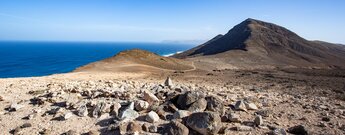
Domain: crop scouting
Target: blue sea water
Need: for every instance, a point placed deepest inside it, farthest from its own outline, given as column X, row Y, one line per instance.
column 28, row 59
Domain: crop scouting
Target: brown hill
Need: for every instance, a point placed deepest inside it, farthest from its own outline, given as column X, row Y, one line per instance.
column 256, row 43
column 137, row 60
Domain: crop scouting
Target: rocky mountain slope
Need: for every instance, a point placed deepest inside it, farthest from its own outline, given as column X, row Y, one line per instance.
column 255, row 42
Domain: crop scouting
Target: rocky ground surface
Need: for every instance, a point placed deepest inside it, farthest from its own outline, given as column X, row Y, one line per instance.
column 71, row 106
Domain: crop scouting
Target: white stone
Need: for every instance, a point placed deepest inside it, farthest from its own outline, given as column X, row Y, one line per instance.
column 251, row 106
column 168, row 82
column 67, row 115
column 152, row 117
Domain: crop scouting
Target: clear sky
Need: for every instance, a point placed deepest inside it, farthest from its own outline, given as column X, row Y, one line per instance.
column 157, row 20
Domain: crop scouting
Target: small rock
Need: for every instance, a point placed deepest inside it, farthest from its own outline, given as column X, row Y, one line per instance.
column 31, row 116
column 168, row 82
column 150, row 97
column 128, row 114
column 97, row 109
column 71, row 132
column 141, row 105
column 215, row 104
column 172, row 107
column 204, row 122
column 26, row 125
column 67, row 115
column 239, row 105
column 327, row 119
column 82, row 111
column 130, row 106
column 15, row 107
column 1, row 98
column 152, row 117
column 176, row 128
column 251, row 106
column 234, row 117
column 258, row 120
column 179, row 114
column 299, row 129
column 129, row 128
column 278, row 131
column 93, row 132
column 115, row 109
column 17, row 131
column 244, row 128
column 45, row 131
column 264, row 113
column 198, row 106
column 106, row 109
column 145, row 127
column 113, row 127
column 153, row 129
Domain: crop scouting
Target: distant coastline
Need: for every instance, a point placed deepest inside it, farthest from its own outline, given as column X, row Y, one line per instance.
column 31, row 59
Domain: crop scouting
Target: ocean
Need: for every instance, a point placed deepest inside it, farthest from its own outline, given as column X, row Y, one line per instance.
column 29, row 59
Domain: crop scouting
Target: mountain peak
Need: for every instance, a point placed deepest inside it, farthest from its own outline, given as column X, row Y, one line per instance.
column 251, row 20
column 254, row 40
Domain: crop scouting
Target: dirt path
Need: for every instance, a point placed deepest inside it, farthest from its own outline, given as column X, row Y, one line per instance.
column 142, row 65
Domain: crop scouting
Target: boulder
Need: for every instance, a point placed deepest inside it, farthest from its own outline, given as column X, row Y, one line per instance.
column 176, row 128
column 198, row 106
column 150, row 97
column 204, row 122
column 187, row 99
column 215, row 104
column 141, row 105
column 152, row 117
column 128, row 114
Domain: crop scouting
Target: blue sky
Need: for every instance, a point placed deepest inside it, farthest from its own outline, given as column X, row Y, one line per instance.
column 157, row 20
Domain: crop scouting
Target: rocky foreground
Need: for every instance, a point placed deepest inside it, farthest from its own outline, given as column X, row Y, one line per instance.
column 171, row 107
